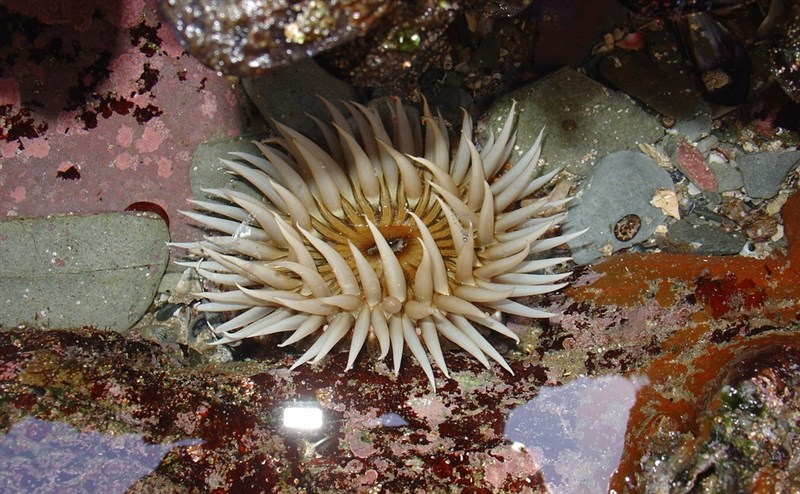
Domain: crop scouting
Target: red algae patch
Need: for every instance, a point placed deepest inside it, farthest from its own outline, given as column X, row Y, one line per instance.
column 725, row 295
column 691, row 162
column 734, row 312
column 629, row 279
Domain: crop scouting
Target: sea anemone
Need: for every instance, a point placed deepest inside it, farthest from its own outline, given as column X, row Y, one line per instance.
column 385, row 235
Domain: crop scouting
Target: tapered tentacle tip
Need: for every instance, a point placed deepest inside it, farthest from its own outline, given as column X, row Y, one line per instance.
column 379, row 235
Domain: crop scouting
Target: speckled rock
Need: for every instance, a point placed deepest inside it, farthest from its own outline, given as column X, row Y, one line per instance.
column 764, row 172
column 583, row 120
column 63, row 271
column 650, row 78
column 698, row 236
column 612, row 199
column 101, row 108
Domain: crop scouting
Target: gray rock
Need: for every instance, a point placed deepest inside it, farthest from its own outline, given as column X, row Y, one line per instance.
column 69, row 271
column 583, row 120
column 655, row 81
column 292, row 93
column 698, row 236
column 670, row 143
column 764, row 172
column 728, row 176
column 208, row 172
column 622, row 184
column 695, row 126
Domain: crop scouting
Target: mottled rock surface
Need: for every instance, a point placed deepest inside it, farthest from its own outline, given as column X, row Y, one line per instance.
column 695, row 235
column 98, row 112
column 66, row 271
column 289, row 95
column 208, row 172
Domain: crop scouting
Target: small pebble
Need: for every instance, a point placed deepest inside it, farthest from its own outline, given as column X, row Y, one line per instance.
column 764, row 172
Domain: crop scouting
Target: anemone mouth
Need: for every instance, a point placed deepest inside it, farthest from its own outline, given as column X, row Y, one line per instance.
column 398, row 228
column 395, row 237
column 402, row 240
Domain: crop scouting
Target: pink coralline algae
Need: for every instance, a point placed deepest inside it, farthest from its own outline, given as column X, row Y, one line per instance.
column 164, row 167
column 105, row 86
column 507, row 462
column 125, row 136
column 35, row 148
column 18, row 194
column 155, row 132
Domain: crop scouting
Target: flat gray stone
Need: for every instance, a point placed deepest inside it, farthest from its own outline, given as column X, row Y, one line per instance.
column 583, row 121
column 695, row 126
column 728, row 176
column 622, row 184
column 764, row 172
column 290, row 94
column 208, row 172
column 70, row 271
column 698, row 236
column 658, row 82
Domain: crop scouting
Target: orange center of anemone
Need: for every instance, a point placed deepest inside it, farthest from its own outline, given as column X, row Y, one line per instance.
column 396, row 226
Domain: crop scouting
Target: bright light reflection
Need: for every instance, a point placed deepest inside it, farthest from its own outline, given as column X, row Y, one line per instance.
column 305, row 417
column 576, row 432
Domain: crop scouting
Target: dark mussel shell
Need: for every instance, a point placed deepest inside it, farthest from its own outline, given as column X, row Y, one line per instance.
column 720, row 58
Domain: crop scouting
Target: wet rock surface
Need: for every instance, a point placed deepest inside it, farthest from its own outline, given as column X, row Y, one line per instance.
column 764, row 172
column 249, row 39
column 289, row 95
column 748, row 413
column 99, row 112
column 727, row 175
column 208, row 172
column 668, row 320
column 584, row 120
column 662, row 82
column 696, row 125
column 698, row 236
column 66, row 271
column 614, row 202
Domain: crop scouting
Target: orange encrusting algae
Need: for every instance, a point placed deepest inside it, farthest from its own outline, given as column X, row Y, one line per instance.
column 710, row 367
column 694, row 365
